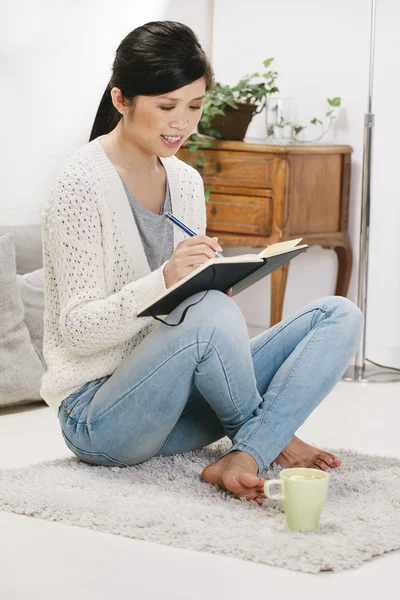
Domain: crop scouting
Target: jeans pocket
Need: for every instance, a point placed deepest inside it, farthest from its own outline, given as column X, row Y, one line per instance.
column 70, row 401
column 93, row 458
column 81, row 397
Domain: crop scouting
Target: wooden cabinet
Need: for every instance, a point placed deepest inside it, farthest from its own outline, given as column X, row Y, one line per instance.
column 261, row 194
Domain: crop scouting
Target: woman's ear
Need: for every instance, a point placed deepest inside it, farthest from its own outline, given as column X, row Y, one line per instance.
column 118, row 100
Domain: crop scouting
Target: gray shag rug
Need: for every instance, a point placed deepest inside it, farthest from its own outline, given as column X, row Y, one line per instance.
column 165, row 501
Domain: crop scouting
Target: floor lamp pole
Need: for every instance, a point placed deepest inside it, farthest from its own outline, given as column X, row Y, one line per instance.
column 359, row 371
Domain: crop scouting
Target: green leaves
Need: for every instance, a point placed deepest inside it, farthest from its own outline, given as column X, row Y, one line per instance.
column 335, row 102
column 330, row 114
column 200, row 162
column 214, row 132
column 251, row 89
column 196, row 142
column 192, row 147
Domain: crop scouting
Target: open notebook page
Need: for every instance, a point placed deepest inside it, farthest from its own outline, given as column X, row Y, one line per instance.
column 278, row 248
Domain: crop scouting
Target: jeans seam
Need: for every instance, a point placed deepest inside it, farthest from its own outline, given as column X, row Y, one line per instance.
column 143, row 380
column 93, row 454
column 287, row 325
column 88, row 424
column 226, row 379
column 185, row 412
column 164, row 444
column 281, row 390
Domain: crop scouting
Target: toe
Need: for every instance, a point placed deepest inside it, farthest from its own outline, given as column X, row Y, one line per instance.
column 330, row 460
column 248, row 480
column 320, row 464
column 240, row 484
column 249, row 497
column 336, row 462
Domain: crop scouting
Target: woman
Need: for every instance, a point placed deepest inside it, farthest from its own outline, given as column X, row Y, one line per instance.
column 125, row 388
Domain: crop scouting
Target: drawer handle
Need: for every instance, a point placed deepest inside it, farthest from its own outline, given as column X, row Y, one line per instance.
column 218, row 167
column 213, row 211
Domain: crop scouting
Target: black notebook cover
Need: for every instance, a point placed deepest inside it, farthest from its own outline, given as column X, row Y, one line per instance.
column 238, row 276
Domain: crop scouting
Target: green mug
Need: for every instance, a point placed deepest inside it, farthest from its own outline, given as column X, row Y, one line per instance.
column 304, row 493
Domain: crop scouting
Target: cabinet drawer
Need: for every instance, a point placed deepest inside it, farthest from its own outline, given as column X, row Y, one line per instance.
column 236, row 168
column 245, row 169
column 248, row 214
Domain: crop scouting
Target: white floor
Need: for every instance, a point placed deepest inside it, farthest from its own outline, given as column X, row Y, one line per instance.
column 40, row 560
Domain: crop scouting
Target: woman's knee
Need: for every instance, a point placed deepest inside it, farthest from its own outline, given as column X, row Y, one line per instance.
column 217, row 306
column 347, row 312
column 217, row 312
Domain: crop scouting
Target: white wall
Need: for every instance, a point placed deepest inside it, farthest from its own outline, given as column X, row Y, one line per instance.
column 321, row 49
column 56, row 61
column 195, row 14
column 55, row 65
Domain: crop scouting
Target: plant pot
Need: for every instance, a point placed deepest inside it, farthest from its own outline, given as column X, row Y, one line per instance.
column 233, row 125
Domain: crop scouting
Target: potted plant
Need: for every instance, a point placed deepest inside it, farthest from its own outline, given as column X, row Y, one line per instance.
column 228, row 110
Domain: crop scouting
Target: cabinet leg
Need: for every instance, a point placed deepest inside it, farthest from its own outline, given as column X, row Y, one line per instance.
column 345, row 264
column 278, row 287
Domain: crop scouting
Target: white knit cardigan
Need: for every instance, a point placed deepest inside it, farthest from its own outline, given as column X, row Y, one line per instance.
column 95, row 267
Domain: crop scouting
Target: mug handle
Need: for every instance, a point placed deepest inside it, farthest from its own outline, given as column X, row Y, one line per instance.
column 280, row 495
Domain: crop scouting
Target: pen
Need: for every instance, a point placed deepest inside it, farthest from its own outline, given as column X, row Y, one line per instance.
column 186, row 229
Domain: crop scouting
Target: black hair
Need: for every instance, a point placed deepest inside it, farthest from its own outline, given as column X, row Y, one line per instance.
column 153, row 59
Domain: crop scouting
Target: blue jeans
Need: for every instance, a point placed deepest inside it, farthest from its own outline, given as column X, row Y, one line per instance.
column 185, row 387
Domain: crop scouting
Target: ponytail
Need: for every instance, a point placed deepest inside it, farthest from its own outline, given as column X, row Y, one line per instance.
column 107, row 116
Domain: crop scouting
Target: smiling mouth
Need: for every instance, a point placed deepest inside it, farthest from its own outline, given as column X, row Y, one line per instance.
column 171, row 138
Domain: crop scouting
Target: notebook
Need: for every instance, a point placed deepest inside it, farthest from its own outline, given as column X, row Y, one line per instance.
column 236, row 272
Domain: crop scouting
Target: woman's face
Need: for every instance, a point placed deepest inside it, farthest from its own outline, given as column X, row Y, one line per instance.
column 173, row 116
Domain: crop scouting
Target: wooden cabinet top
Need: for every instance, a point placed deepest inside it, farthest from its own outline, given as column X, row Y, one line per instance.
column 260, row 145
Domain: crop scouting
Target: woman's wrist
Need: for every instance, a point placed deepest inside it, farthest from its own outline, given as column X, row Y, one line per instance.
column 165, row 274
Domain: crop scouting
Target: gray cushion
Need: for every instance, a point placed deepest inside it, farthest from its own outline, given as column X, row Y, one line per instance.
column 21, row 368
column 28, row 245
column 31, row 288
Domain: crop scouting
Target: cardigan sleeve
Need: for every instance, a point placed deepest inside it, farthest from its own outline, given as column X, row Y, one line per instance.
column 90, row 318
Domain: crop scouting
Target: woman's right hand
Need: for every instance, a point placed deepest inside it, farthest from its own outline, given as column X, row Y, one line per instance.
column 187, row 256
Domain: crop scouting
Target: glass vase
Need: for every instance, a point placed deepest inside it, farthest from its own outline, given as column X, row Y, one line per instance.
column 280, row 120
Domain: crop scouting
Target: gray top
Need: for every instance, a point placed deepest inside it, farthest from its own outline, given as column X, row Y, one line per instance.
column 156, row 231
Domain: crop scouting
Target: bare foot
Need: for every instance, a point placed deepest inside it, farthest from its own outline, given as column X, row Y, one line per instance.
column 237, row 473
column 299, row 454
